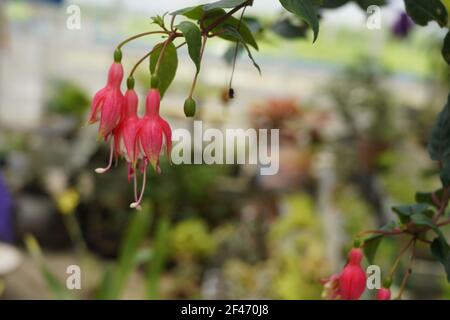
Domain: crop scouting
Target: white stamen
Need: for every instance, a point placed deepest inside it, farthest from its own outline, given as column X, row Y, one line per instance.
column 111, row 156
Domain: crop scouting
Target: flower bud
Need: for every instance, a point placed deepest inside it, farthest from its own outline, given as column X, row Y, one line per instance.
column 130, row 83
column 352, row 280
column 384, row 294
column 118, row 55
column 154, row 82
column 189, row 107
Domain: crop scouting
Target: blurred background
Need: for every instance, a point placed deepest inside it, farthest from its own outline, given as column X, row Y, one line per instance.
column 354, row 112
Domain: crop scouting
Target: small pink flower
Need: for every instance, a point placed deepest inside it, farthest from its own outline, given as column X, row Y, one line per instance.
column 149, row 137
column 384, row 294
column 152, row 129
column 331, row 287
column 107, row 103
column 352, row 279
column 126, row 130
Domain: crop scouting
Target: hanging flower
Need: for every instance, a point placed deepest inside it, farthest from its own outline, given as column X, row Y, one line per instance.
column 107, row 103
column 350, row 283
column 149, row 137
column 352, row 280
column 384, row 294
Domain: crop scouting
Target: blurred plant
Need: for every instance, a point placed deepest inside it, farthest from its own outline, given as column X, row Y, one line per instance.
column 67, row 98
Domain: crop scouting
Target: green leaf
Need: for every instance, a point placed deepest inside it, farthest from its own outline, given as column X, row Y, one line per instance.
column 193, row 37
column 242, row 26
column 372, row 243
column 427, row 197
column 441, row 251
column 333, row 4
column 364, row 4
column 439, row 143
column 158, row 260
column 446, row 48
column 286, row 29
column 405, row 212
column 223, row 4
column 235, row 35
column 58, row 289
column 306, row 10
column 424, row 11
column 193, row 13
column 134, row 236
column 168, row 67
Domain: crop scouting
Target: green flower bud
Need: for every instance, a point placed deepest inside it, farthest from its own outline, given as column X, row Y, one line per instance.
column 154, row 82
column 189, row 107
column 130, row 83
column 118, row 55
column 387, row 282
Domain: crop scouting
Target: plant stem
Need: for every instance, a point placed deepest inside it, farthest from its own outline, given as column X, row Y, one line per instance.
column 236, row 49
column 139, row 62
column 408, row 270
column 397, row 260
column 198, row 71
column 120, row 45
column 163, row 51
column 225, row 17
column 385, row 233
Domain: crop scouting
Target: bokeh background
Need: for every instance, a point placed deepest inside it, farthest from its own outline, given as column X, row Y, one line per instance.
column 354, row 112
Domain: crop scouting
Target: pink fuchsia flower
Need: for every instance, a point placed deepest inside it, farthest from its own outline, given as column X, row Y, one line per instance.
column 150, row 134
column 125, row 132
column 384, row 294
column 152, row 130
column 352, row 279
column 331, row 287
column 107, row 103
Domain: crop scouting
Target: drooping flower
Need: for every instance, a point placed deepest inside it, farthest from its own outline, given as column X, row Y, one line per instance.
column 331, row 287
column 125, row 132
column 384, row 294
column 352, row 279
column 107, row 103
column 151, row 132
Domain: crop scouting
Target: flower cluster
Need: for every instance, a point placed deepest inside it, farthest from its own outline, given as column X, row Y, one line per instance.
column 138, row 140
column 350, row 283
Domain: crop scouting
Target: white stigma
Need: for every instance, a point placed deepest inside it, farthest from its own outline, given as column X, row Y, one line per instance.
column 101, row 170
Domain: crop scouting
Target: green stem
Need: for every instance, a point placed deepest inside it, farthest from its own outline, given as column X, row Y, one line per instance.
column 163, row 51
column 139, row 62
column 226, row 16
column 397, row 261
column 194, row 83
column 408, row 271
column 139, row 36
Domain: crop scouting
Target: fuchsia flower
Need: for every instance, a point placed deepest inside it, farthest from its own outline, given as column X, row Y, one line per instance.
column 384, row 294
column 350, row 283
column 149, row 137
column 352, row 280
column 107, row 103
column 152, row 129
column 125, row 132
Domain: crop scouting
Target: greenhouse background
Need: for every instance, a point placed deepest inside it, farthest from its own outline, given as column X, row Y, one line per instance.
column 354, row 110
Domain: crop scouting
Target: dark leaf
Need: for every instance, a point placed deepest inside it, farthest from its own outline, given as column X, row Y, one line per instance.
column 424, row 11
column 305, row 9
